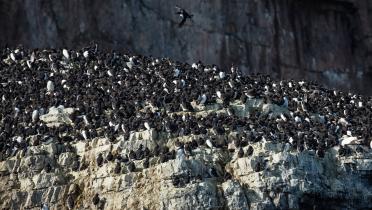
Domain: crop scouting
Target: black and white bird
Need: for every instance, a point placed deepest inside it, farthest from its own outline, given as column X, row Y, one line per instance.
column 180, row 155
column 209, row 143
column 184, row 15
column 44, row 207
column 117, row 169
column 131, row 166
column 35, row 115
column 99, row 160
column 66, row 54
column 84, row 134
column 50, row 86
column 147, row 125
column 95, row 199
column 240, row 153
column 86, row 54
column 221, row 75
column 202, row 99
column 70, row 202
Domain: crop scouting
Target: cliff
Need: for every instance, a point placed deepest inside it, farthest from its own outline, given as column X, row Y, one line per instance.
column 288, row 179
column 90, row 130
column 324, row 40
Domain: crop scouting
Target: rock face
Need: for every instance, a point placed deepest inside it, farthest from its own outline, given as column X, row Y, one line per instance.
column 326, row 40
column 274, row 176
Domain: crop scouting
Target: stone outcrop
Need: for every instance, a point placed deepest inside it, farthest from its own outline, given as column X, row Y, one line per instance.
column 275, row 176
column 325, row 40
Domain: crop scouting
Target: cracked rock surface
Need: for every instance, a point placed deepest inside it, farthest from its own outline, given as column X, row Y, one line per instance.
column 289, row 179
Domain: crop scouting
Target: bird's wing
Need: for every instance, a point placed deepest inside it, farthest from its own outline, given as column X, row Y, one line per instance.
column 182, row 22
column 188, row 15
column 177, row 7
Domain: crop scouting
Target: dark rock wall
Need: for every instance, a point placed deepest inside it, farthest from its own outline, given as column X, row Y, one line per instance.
column 329, row 41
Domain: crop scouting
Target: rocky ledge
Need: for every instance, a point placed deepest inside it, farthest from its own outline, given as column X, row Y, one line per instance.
column 248, row 150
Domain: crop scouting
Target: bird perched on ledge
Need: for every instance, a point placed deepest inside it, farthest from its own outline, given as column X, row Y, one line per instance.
column 183, row 14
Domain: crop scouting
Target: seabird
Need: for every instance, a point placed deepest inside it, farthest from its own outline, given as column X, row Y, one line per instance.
column 194, row 66
column 131, row 166
column 70, row 202
column 297, row 119
column 99, row 159
column 109, row 72
column 284, row 103
column 132, row 155
column 16, row 110
column 130, row 63
column 240, row 153
column 84, row 133
column 345, row 140
column 139, row 153
column 251, row 93
column 125, row 159
column 146, row 163
column 213, row 172
column 231, row 84
column 50, row 86
column 186, row 106
column 180, row 155
column 257, row 167
column 29, row 64
column 360, row 104
column 162, row 158
column 177, row 72
column 101, row 203
column 48, row 168
column 109, row 156
column 221, row 75
column 303, row 106
column 343, row 122
column 13, row 57
column 95, row 199
column 320, row 152
column 86, row 54
column 117, row 169
column 284, row 118
column 249, row 150
column 209, row 143
column 184, row 15
column 86, row 122
column 147, row 126
column 66, row 54
column 230, row 111
column 219, row 94
column 45, row 207
column 343, row 151
column 202, row 99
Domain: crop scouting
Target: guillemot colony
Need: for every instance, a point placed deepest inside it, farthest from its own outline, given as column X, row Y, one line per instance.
column 114, row 95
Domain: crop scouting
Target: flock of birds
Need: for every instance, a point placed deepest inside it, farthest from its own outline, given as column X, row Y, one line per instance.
column 114, row 94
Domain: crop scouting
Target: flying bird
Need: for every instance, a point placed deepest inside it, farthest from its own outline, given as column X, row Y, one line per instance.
column 183, row 14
